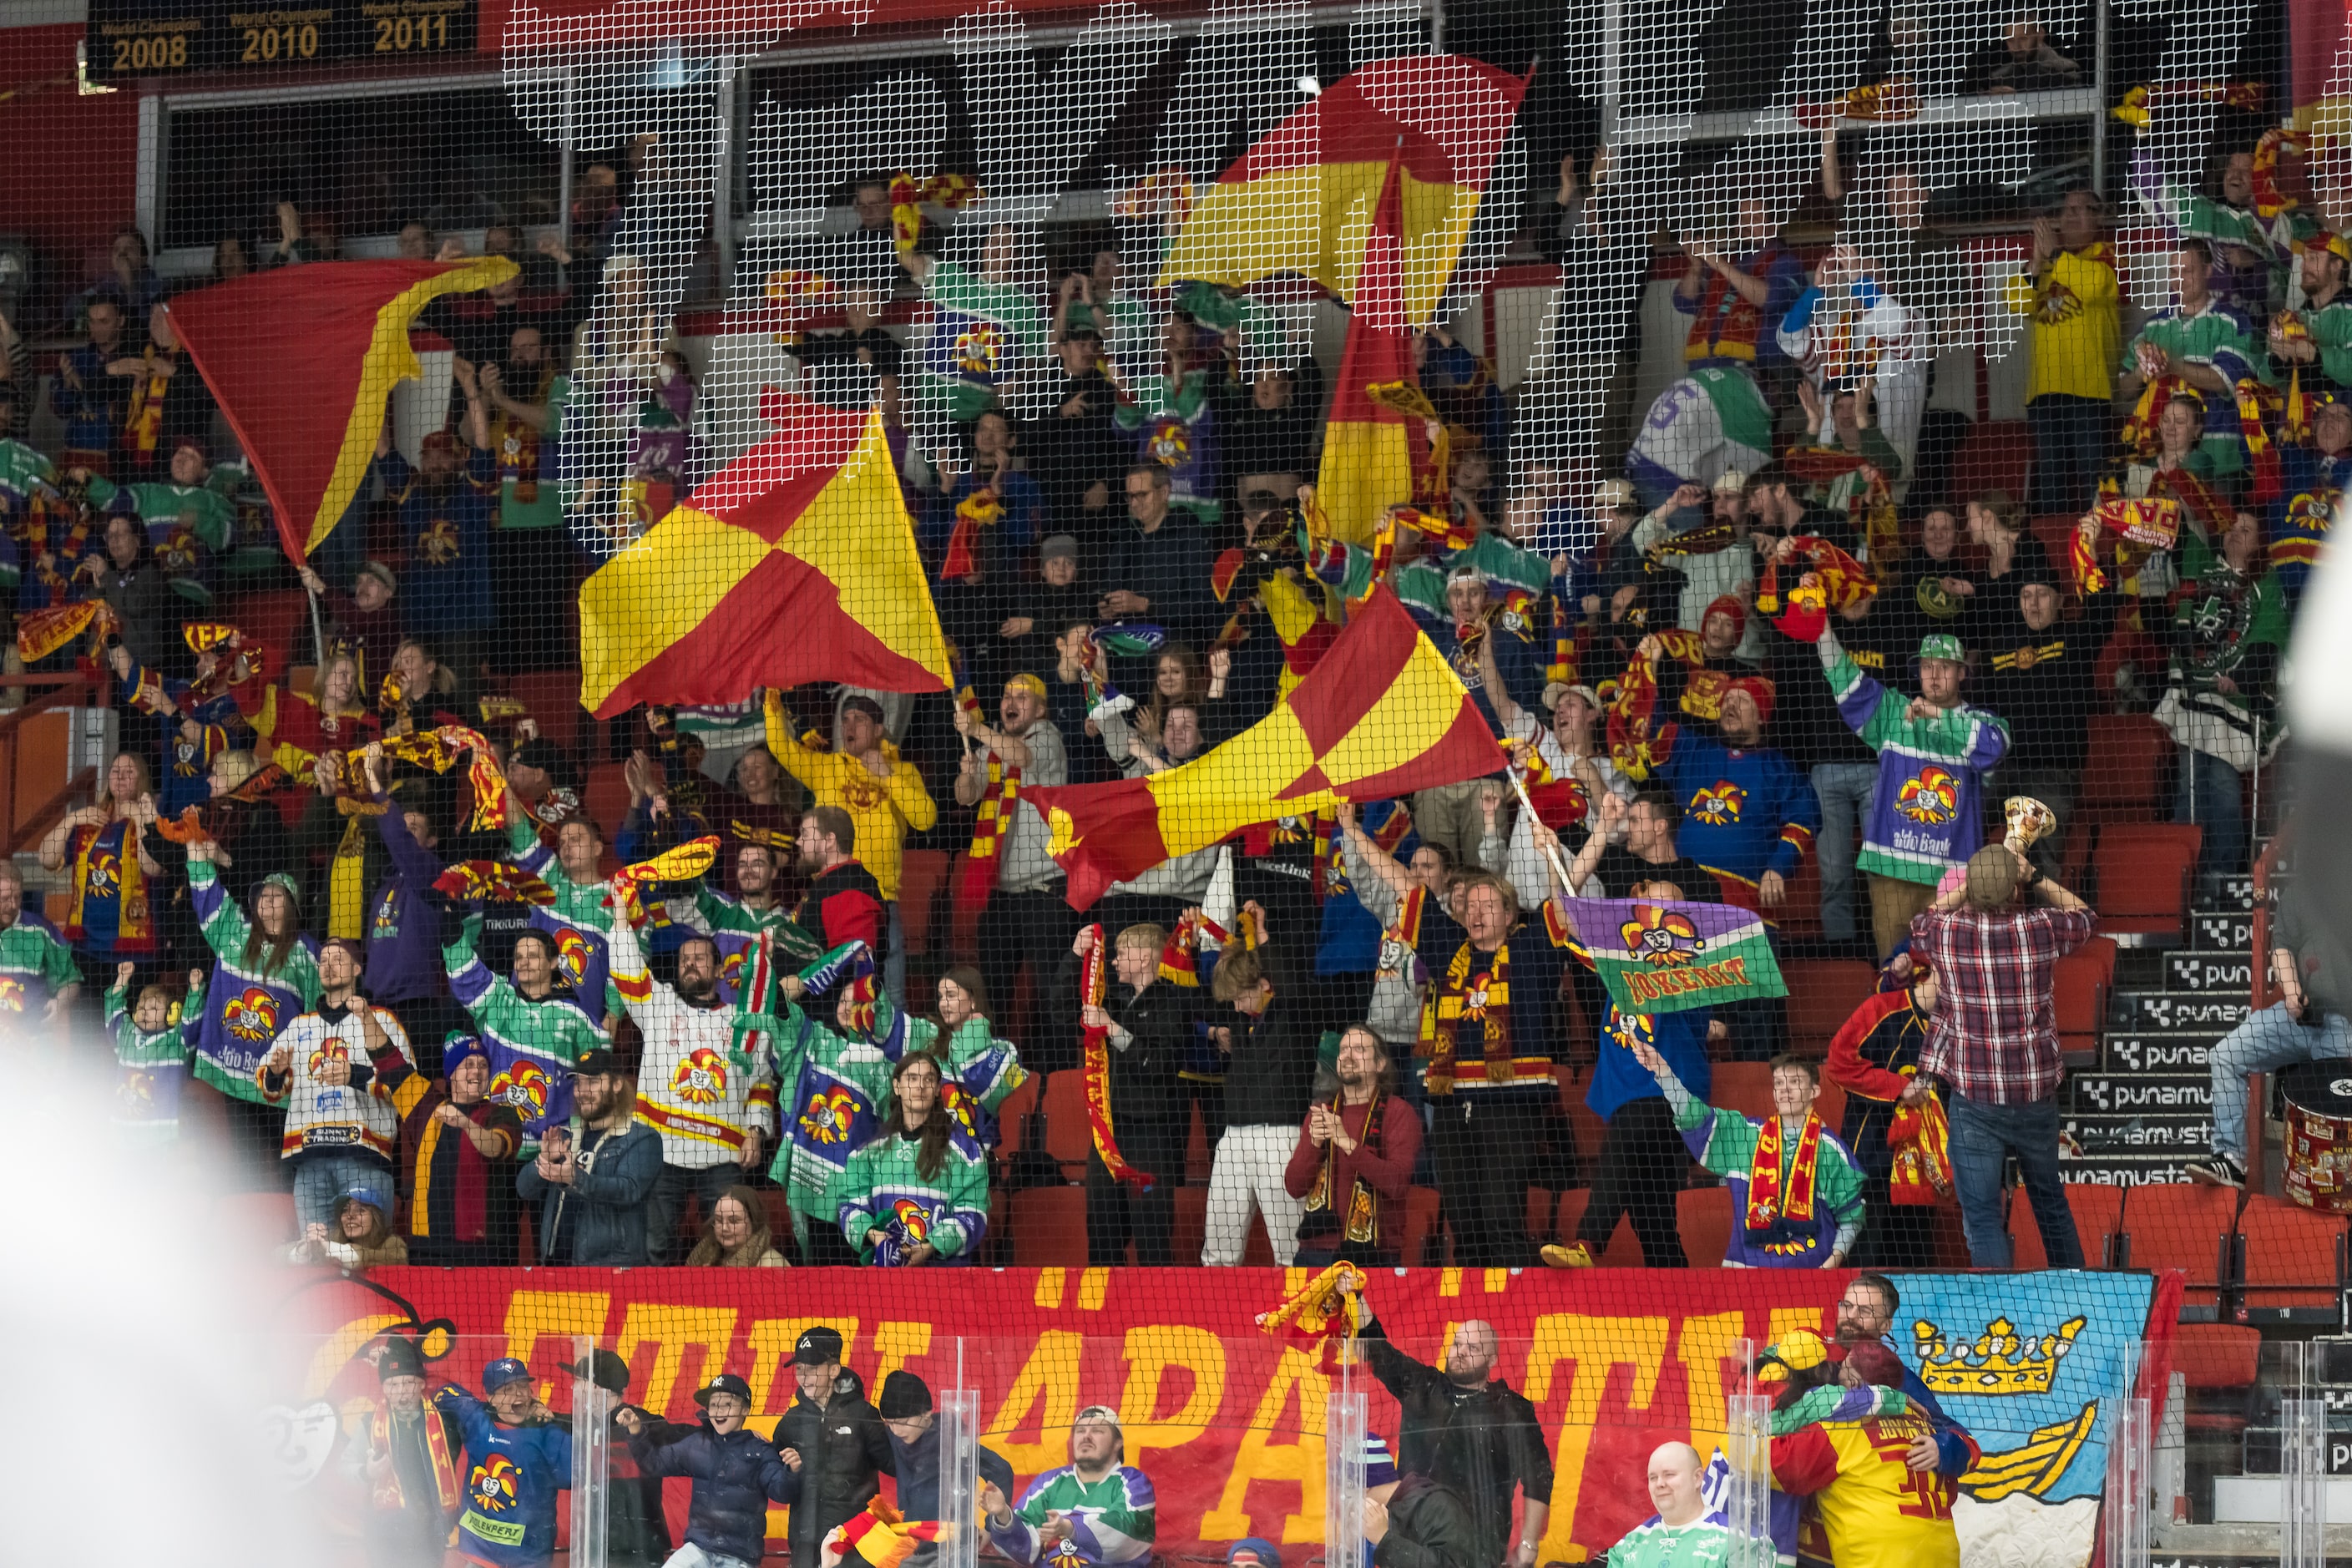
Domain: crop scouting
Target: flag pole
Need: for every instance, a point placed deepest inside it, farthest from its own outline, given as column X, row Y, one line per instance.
column 1551, row 851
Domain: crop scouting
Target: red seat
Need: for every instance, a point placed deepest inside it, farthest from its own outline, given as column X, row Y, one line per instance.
column 1703, row 1216
column 1800, row 914
column 2143, row 874
column 1589, row 1129
column 2096, row 1210
column 1049, row 1228
column 2289, row 1247
column 1994, row 455
column 1420, row 1206
column 1013, row 1117
column 1823, row 995
column 551, row 697
column 1624, row 1248
column 606, row 799
column 1198, row 1155
column 2221, row 1359
column 1068, row 1137
column 2122, row 781
column 1191, row 1225
column 775, row 1205
column 922, row 875
column 963, row 918
column 2081, row 989
column 2180, row 1225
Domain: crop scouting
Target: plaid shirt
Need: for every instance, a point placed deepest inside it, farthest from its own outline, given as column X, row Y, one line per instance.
column 1994, row 1036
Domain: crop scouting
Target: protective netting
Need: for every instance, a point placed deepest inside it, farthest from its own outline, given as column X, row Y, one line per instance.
column 1245, row 633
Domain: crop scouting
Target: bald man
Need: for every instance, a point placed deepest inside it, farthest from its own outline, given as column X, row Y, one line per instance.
column 1469, row 1430
column 1682, row 1533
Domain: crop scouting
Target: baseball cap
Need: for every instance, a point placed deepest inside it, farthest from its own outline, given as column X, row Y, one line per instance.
column 503, row 1370
column 1943, row 646
column 384, row 574
column 598, row 1064
column 817, row 1346
column 1729, row 482
column 605, row 1369
column 1027, row 683
column 725, row 1383
column 1560, row 689
column 862, row 704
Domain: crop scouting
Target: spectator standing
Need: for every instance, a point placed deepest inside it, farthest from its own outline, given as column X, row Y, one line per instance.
column 916, row 1193
column 1147, row 1026
column 2075, row 334
column 2043, row 675
column 522, row 398
column 1097, row 1509
column 1875, row 1057
column 736, row 1474
column 1933, row 754
column 458, row 1149
column 1395, row 894
column 844, row 902
column 881, row 792
column 408, row 1463
column 713, row 1115
column 148, row 611
column 38, row 978
column 537, row 1035
column 1865, row 1315
column 404, row 922
column 152, row 1046
column 592, row 1188
column 265, row 973
column 445, row 519
column 91, row 399
column 2320, row 333
column 2224, row 641
column 1352, row 1166
column 2312, row 968
column 1026, row 917
column 1808, row 726
column 1873, row 1506
column 338, row 1135
column 1994, row 1042
column 1648, row 854
column 112, row 848
column 579, row 924
column 363, row 621
column 1269, row 1050
column 2315, row 475
column 2204, row 342
column 1466, row 1429
column 736, row 1234
column 1683, row 1533
column 519, row 1465
column 833, row 1440
column 1489, row 1081
column 1157, row 570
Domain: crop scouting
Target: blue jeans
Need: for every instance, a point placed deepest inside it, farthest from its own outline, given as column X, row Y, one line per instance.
column 1983, row 1135
column 320, row 1179
column 2265, row 1041
column 2070, row 451
column 2210, row 795
column 1845, row 791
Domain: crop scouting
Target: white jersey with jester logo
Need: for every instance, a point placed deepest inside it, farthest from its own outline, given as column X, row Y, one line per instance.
column 690, row 1089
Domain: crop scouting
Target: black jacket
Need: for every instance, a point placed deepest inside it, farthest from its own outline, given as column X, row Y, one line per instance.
column 2044, row 683
column 844, row 1449
column 1483, row 1442
column 1160, row 1018
column 151, row 612
column 735, row 1479
column 1170, row 567
column 1429, row 1527
column 1270, row 1075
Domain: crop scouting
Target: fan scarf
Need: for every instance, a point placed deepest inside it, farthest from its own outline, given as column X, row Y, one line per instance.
column 1767, row 1204
column 41, row 632
column 1432, row 473
column 387, row 1493
column 877, row 1538
column 908, row 196
column 1879, row 526
column 990, row 823
column 2151, row 524
column 1482, row 997
column 1921, row 1140
column 1736, row 338
column 979, row 510
column 1091, row 974
column 1165, row 194
column 1833, row 580
column 2253, row 399
column 2134, row 109
column 148, row 391
column 681, row 863
column 499, row 881
column 1361, row 1225
column 1309, row 1313
column 134, row 930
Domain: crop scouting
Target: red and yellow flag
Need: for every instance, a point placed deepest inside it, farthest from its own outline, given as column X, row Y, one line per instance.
column 1369, row 443
column 795, row 562
column 312, row 435
column 1382, row 714
column 1298, row 199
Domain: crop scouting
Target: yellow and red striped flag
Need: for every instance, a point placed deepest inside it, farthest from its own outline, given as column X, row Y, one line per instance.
column 1368, row 445
column 795, row 562
column 1382, row 715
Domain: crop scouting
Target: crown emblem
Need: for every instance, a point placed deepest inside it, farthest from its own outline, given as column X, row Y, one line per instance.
column 2001, row 1360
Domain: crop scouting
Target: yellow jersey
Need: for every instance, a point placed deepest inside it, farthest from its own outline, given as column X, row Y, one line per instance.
column 1877, row 1511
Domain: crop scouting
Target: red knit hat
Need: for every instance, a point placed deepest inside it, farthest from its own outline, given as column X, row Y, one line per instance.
column 1760, row 688
column 1728, row 605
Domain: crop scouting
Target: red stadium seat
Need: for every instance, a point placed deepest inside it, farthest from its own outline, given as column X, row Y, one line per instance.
column 1420, row 1206
column 1068, row 1137
column 1625, row 1249
column 1744, row 1087
column 606, row 799
column 1994, row 455
column 2083, row 977
column 2097, row 1209
column 922, row 876
column 1049, row 1228
column 963, row 921
column 2122, row 781
column 1800, row 914
column 2143, row 871
column 1823, row 995
column 553, row 698
column 1703, row 1216
column 1191, row 1225
column 2289, row 1247
column 1013, row 1117
column 2180, row 1226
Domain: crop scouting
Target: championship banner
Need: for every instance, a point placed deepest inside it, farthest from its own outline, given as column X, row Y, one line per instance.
column 1669, row 957
column 1227, row 1420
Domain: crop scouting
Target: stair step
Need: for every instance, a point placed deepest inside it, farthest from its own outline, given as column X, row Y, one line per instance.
column 2168, row 1132
column 2208, row 974
column 2112, row 1170
column 2173, row 1013
column 2158, row 1051
column 2138, row 1094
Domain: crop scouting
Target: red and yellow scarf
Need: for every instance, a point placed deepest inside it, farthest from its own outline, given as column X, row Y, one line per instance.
column 979, row 510
column 1092, row 975
column 1716, row 332
column 1361, row 1225
column 1921, row 1141
column 387, row 1491
column 2150, row 524
column 1479, row 995
column 908, row 196
column 134, row 927
column 144, row 427
column 990, row 823
column 1767, row 1204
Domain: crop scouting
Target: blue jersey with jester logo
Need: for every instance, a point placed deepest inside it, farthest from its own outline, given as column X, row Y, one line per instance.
column 512, row 1477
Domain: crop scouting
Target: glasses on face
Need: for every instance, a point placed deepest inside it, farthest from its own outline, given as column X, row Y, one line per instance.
column 1138, row 495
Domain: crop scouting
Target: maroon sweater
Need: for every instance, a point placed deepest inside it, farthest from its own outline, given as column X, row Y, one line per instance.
column 1390, row 1171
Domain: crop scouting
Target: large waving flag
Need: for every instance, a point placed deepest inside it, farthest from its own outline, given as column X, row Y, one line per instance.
column 310, row 432
column 1301, row 197
column 1382, row 715
column 1367, row 446
column 795, row 562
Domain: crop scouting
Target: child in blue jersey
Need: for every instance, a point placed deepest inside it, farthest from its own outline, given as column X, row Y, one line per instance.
column 514, row 1469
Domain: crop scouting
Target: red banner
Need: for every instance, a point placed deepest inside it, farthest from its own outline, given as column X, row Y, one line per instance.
column 1226, row 1421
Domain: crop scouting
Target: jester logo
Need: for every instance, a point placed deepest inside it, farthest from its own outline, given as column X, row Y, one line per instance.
column 914, row 1220
column 2055, row 303
column 1630, row 1029
column 571, row 953
column 332, row 1050
column 1171, row 443
column 251, row 1016
column 137, row 1089
column 1718, row 804
column 2313, row 511
column 105, row 876
column 958, row 1102
column 730, row 968
column 700, row 1078
column 978, row 349
column 1932, row 796
column 12, row 994
column 494, row 1484
column 864, row 792
column 439, row 541
column 1473, row 994
column 830, row 1115
column 177, row 552
column 524, row 1084
column 1660, row 935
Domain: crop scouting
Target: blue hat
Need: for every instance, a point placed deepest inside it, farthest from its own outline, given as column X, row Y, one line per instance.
column 1379, row 1465
column 725, row 1383
column 503, row 1370
column 1255, row 1549
column 362, row 1192
column 457, row 1047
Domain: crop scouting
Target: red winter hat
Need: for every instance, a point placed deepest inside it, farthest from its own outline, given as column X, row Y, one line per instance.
column 1758, row 687
column 1728, row 605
